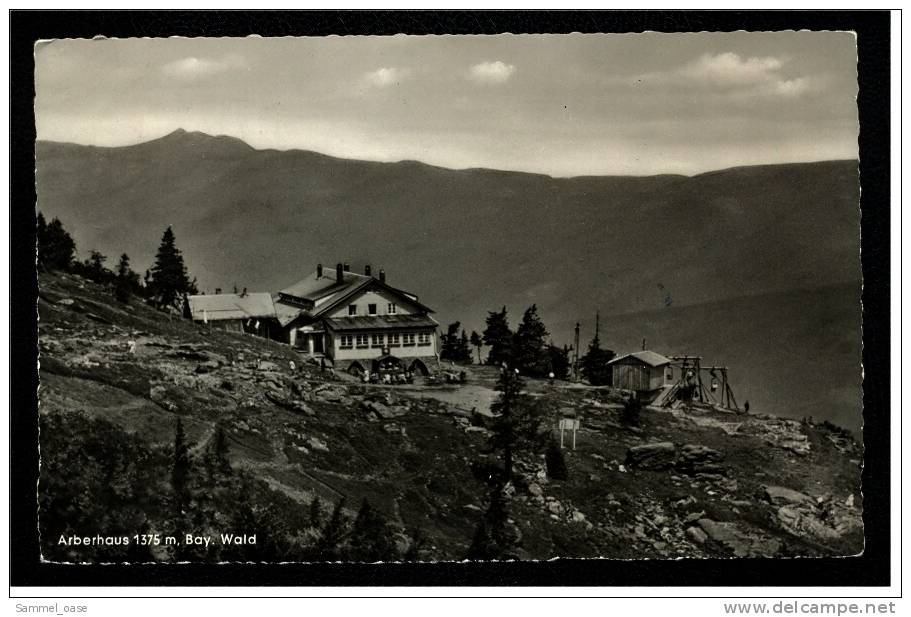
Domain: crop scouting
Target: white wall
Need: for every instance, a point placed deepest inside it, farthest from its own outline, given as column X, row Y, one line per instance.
column 356, row 353
column 381, row 299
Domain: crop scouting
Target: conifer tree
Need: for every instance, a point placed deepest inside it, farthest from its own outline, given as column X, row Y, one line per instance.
column 220, row 451
column 180, row 466
column 530, row 352
column 556, row 462
column 596, row 364
column 516, row 425
column 477, row 342
column 55, row 246
column 371, row 538
column 334, row 532
column 463, row 349
column 94, row 266
column 169, row 279
column 127, row 281
column 316, row 512
column 498, row 337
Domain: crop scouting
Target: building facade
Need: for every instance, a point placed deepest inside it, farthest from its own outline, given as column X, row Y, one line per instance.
column 644, row 372
column 346, row 318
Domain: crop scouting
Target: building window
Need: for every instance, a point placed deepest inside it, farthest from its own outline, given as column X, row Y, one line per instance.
column 345, row 341
column 424, row 339
column 352, row 310
column 376, row 340
column 361, row 341
column 371, row 309
column 394, row 339
column 390, row 308
column 408, row 339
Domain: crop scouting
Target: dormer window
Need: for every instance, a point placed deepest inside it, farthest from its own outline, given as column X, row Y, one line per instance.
column 371, row 309
column 352, row 310
column 391, row 308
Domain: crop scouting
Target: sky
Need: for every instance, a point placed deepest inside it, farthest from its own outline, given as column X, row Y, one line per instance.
column 563, row 105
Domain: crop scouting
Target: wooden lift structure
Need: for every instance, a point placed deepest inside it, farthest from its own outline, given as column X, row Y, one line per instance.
column 691, row 381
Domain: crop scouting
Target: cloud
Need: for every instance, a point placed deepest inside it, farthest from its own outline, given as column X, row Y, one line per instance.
column 729, row 72
column 192, row 67
column 386, row 76
column 730, row 68
column 492, row 72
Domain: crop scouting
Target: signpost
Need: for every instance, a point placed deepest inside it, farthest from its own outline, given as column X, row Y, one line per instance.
column 569, row 424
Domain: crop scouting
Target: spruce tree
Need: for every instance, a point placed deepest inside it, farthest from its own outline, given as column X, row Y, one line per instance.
column 516, row 425
column 316, row 512
column 55, row 246
column 558, row 357
column 596, row 364
column 371, row 538
column 450, row 342
column 220, row 452
column 556, row 462
column 169, row 280
column 333, row 534
column 94, row 266
column 127, row 281
column 180, row 467
column 498, row 337
column 463, row 349
column 477, row 342
column 530, row 352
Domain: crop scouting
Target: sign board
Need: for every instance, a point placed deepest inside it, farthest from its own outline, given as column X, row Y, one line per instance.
column 569, row 424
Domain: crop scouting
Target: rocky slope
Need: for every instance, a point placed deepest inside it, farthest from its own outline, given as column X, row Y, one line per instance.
column 683, row 483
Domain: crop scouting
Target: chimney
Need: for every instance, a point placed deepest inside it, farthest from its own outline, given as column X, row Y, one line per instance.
column 347, row 267
column 319, row 271
column 382, row 276
column 338, row 273
column 217, row 290
column 368, row 271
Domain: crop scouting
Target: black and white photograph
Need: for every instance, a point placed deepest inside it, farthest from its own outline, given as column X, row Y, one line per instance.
column 449, row 298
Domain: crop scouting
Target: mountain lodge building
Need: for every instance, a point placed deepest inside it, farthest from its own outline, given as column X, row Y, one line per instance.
column 350, row 319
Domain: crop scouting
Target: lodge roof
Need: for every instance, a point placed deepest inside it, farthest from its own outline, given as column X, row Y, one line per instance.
column 381, row 322
column 317, row 295
column 220, row 307
column 646, row 357
column 315, row 287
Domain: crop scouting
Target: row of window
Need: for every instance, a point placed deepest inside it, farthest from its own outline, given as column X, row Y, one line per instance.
column 393, row 339
column 371, row 309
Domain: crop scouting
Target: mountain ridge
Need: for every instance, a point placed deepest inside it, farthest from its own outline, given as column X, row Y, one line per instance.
column 184, row 133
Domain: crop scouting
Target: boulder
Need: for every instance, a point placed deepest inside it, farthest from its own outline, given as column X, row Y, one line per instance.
column 535, row 490
column 782, row 496
column 653, row 456
column 694, row 458
column 265, row 365
column 696, row 535
column 318, row 444
column 738, row 542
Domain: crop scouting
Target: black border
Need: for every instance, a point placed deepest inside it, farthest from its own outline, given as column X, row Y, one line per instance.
column 873, row 38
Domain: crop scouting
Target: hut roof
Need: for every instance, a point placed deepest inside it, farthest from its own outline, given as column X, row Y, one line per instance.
column 219, row 307
column 645, row 357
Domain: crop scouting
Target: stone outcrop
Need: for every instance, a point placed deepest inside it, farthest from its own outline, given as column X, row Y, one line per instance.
column 652, row 456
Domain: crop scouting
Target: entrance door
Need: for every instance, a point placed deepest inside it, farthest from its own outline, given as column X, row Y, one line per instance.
column 317, row 343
